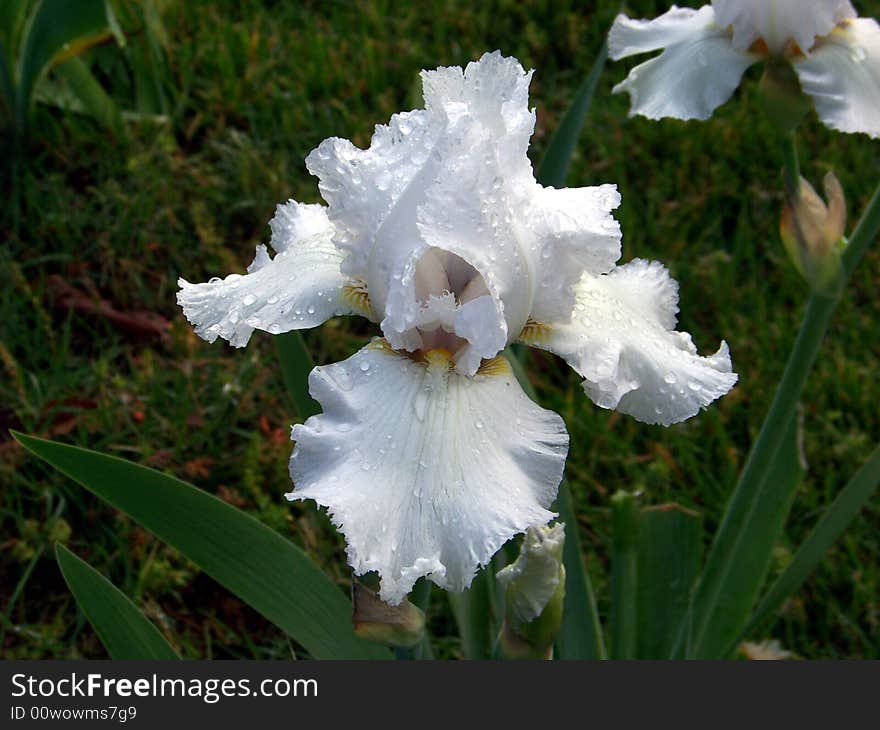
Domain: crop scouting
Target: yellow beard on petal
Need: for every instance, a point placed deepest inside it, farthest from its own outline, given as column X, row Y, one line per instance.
column 534, row 332
column 497, row 366
column 356, row 296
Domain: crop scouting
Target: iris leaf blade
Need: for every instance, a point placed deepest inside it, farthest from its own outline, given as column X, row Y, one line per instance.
column 836, row 518
column 123, row 630
column 554, row 166
column 255, row 563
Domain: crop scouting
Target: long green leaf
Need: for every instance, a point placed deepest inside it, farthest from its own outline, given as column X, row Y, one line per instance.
column 92, row 98
column 624, row 575
column 124, row 631
column 258, row 565
column 296, row 364
column 670, row 550
column 553, row 169
column 7, row 88
column 741, row 554
column 581, row 634
column 834, row 521
column 13, row 14
column 58, row 30
column 475, row 615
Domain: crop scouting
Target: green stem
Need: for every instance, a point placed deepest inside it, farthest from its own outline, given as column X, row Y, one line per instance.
column 792, row 168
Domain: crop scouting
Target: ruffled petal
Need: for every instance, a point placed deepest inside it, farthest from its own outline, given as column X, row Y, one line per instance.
column 447, row 161
column 577, row 233
column 426, row 472
column 842, row 75
column 301, row 287
column 629, row 37
column 778, row 21
column 697, row 72
column 621, row 341
column 373, row 195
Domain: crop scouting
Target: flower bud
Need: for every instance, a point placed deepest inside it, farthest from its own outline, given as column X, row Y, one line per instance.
column 374, row 620
column 813, row 232
column 784, row 102
column 535, row 589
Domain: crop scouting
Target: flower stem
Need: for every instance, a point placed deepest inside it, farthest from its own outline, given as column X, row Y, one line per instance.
column 791, row 166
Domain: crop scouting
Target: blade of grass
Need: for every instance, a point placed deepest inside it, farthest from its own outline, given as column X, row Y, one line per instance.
column 258, row 565
column 19, row 587
column 124, row 631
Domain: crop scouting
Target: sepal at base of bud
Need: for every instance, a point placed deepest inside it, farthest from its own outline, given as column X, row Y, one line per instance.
column 374, row 620
column 782, row 98
column 813, row 233
column 535, row 591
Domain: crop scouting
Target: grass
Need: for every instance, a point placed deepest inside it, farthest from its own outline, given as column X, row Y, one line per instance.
column 258, row 85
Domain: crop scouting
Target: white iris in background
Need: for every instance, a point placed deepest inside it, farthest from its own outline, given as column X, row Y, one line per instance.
column 428, row 454
column 835, row 54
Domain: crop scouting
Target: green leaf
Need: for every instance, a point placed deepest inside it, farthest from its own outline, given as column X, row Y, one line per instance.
column 475, row 615
column 7, row 88
column 124, row 631
column 553, row 169
column 92, row 98
column 57, row 31
column 13, row 14
column 670, row 550
column 581, row 634
column 834, row 521
column 740, row 555
column 624, row 575
column 296, row 364
column 258, row 565
column 147, row 58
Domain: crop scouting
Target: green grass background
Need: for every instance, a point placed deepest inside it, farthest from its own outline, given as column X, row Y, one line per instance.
column 257, row 86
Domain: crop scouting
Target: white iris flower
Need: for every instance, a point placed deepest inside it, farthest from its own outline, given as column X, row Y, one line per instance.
column 428, row 454
column 835, row 54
